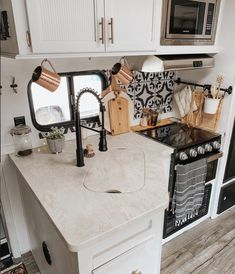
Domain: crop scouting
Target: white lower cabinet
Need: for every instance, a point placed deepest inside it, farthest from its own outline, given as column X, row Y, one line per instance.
column 135, row 248
column 41, row 230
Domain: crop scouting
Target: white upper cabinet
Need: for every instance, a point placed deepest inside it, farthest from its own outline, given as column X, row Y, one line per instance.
column 59, row 26
column 16, row 23
column 130, row 25
column 79, row 26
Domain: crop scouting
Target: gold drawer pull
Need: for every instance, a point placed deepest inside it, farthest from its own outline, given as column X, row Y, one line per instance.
column 101, row 23
column 136, row 272
column 111, row 39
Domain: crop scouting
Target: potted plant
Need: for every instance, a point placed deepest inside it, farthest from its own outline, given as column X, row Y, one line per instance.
column 212, row 100
column 55, row 139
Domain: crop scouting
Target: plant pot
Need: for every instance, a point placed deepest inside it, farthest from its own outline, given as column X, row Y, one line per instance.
column 211, row 105
column 55, row 145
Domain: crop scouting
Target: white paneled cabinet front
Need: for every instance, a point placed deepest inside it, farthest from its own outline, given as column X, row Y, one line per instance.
column 139, row 260
column 130, row 25
column 95, row 26
column 59, row 26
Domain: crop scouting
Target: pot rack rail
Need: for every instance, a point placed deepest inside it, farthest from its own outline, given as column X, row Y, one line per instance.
column 228, row 90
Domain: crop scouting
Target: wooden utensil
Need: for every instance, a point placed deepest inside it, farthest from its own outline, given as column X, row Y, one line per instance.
column 119, row 115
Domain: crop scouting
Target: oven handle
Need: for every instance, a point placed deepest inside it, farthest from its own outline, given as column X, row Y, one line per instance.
column 209, row 159
column 214, row 157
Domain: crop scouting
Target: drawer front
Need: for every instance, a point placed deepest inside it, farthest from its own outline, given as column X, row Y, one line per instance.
column 119, row 242
column 140, row 237
column 139, row 260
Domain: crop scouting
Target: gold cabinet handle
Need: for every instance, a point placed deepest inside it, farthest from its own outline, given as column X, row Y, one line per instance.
column 112, row 36
column 101, row 24
column 136, row 272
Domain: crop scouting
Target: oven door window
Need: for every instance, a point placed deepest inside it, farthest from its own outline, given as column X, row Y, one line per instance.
column 186, row 17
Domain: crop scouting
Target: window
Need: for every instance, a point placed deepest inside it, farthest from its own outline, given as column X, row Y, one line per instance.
column 56, row 108
column 88, row 104
column 51, row 108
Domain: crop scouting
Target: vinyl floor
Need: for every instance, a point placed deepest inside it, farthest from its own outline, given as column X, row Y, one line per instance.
column 209, row 248
column 30, row 263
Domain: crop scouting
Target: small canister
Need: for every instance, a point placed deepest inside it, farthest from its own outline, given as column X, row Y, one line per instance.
column 22, row 140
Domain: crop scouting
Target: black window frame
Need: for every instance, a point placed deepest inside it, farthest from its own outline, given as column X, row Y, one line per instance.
column 72, row 99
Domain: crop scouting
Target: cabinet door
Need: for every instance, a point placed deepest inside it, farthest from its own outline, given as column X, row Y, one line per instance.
column 59, row 26
column 139, row 260
column 9, row 45
column 130, row 25
column 41, row 229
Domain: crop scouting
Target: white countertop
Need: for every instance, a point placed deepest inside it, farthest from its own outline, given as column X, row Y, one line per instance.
column 81, row 215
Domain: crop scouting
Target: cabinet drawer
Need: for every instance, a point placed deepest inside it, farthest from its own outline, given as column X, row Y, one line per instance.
column 140, row 259
column 119, row 242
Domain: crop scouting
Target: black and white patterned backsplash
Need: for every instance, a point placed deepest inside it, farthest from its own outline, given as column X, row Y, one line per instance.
column 150, row 90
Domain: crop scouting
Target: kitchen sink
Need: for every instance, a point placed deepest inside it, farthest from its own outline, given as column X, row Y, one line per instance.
column 120, row 170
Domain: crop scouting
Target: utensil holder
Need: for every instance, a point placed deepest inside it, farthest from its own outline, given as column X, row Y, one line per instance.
column 211, row 105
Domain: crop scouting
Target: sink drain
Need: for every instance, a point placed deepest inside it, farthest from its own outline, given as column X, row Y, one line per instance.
column 113, row 191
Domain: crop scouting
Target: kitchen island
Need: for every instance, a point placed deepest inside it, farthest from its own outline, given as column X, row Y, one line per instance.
column 78, row 226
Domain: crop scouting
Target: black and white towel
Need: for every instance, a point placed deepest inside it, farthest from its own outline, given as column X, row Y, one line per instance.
column 189, row 190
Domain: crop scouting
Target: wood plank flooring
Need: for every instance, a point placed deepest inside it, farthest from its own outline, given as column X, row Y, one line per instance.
column 209, row 248
column 30, row 263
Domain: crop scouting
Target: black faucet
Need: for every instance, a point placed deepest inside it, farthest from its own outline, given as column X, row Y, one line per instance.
column 102, row 131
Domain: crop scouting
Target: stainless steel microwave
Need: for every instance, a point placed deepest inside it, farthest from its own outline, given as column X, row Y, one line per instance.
column 189, row 22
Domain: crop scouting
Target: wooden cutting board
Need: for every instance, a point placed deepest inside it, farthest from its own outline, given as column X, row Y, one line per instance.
column 119, row 115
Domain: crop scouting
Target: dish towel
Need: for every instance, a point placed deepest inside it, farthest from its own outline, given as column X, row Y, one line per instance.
column 183, row 99
column 189, row 190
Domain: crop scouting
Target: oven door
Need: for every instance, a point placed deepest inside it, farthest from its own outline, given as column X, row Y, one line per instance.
column 212, row 163
column 189, row 19
column 169, row 221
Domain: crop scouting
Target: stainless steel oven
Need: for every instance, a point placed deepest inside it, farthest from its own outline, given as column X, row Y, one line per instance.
column 189, row 22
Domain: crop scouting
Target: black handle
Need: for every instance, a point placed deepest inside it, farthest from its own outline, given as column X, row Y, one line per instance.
column 46, row 253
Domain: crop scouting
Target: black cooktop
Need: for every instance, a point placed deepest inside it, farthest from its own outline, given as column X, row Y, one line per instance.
column 179, row 136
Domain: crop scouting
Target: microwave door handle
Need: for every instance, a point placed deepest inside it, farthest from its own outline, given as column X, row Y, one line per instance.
column 214, row 157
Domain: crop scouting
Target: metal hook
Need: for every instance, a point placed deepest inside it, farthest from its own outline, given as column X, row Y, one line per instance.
column 14, row 85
